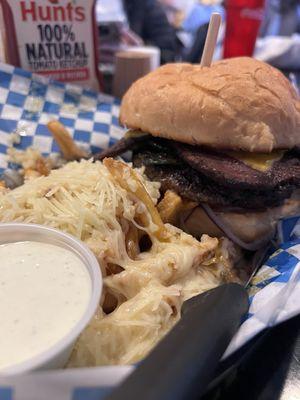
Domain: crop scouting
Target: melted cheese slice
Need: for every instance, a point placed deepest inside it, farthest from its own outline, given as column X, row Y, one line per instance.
column 259, row 161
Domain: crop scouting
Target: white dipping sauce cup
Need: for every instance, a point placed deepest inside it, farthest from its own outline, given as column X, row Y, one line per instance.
column 57, row 355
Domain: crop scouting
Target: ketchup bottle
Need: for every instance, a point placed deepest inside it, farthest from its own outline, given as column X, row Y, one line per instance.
column 56, row 38
column 243, row 20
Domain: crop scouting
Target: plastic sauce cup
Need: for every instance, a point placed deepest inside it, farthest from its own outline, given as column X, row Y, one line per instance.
column 57, row 355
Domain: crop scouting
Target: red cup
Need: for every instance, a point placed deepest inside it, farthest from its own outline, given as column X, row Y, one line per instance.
column 243, row 20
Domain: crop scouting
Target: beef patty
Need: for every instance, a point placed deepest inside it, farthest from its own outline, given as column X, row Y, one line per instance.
column 229, row 171
column 207, row 176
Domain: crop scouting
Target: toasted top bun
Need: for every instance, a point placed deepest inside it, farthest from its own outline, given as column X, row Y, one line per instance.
column 239, row 104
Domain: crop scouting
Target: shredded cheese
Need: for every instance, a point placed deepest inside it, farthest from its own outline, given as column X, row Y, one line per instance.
column 84, row 199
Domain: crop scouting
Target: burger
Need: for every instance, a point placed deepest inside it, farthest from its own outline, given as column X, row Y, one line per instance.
column 224, row 137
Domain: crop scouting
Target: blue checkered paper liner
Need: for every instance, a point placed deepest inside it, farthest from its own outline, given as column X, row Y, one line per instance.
column 27, row 103
column 275, row 289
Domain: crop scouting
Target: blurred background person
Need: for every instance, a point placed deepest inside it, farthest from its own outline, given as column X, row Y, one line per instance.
column 200, row 13
column 279, row 42
column 124, row 23
column 177, row 10
column 148, row 20
column 179, row 27
column 196, row 25
column 282, row 18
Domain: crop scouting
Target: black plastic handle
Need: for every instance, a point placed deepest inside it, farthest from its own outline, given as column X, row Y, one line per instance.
column 183, row 363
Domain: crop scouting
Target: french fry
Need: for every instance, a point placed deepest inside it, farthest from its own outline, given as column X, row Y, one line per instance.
column 128, row 180
column 172, row 205
column 169, row 207
column 30, row 173
column 65, row 142
column 132, row 242
column 42, row 167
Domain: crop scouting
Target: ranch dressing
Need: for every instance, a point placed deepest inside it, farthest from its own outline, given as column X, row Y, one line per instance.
column 44, row 291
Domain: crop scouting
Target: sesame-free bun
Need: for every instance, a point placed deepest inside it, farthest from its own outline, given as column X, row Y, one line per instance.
column 239, row 104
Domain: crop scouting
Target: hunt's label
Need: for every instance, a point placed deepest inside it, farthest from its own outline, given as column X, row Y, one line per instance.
column 56, row 38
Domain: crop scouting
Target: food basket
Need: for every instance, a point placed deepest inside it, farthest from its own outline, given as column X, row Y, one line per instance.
column 27, row 103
